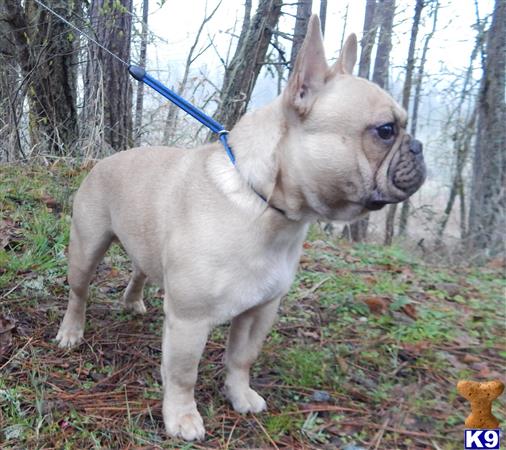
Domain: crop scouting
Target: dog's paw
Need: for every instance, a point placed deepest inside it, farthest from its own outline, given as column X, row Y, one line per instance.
column 246, row 400
column 188, row 426
column 137, row 306
column 69, row 336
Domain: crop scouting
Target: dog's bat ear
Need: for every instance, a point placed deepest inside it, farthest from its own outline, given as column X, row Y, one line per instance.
column 347, row 58
column 309, row 71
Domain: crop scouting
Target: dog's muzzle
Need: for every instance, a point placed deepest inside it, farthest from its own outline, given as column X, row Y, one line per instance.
column 406, row 173
column 409, row 171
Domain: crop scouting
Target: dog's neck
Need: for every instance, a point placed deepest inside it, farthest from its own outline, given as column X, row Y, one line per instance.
column 257, row 142
column 254, row 140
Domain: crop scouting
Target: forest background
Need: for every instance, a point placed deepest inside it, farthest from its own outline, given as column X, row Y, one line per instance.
column 385, row 315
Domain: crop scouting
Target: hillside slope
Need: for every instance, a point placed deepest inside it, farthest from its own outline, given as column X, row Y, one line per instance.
column 367, row 351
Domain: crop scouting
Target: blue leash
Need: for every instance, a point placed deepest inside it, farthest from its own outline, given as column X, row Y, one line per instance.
column 141, row 75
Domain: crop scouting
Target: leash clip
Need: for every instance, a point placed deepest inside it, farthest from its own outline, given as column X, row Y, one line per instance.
column 222, row 135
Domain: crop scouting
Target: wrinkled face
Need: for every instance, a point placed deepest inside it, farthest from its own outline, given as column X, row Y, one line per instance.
column 346, row 137
column 354, row 144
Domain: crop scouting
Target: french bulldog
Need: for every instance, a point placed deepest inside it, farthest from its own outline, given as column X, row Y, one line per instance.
column 224, row 241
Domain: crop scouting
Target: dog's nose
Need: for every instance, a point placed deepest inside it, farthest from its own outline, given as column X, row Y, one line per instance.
column 415, row 146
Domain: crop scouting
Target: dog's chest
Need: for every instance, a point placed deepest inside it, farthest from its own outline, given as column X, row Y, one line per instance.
column 218, row 275
column 266, row 275
column 270, row 279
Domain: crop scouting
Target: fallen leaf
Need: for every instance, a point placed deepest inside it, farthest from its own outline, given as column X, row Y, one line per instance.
column 305, row 260
column 410, row 311
column 470, row 358
column 377, row 305
column 369, row 279
column 113, row 273
column 49, row 201
column 416, row 348
column 6, row 327
column 392, row 268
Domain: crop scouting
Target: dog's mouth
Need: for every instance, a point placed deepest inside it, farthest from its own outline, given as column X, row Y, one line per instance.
column 378, row 200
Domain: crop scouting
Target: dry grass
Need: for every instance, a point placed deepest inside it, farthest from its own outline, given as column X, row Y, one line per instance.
column 367, row 351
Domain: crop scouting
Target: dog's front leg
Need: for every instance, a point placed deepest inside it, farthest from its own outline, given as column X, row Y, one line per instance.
column 247, row 334
column 182, row 346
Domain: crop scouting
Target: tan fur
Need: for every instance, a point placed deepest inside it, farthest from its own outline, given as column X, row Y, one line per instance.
column 191, row 221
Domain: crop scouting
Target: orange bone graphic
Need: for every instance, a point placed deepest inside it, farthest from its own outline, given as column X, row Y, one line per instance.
column 481, row 396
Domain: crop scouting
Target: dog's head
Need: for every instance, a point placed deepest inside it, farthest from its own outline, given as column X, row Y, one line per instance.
column 346, row 143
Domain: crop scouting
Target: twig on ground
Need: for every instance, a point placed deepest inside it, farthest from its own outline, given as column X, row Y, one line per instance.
column 265, row 432
column 13, row 357
column 379, row 435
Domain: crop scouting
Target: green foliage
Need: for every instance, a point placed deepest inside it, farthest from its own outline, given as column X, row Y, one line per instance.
column 306, row 367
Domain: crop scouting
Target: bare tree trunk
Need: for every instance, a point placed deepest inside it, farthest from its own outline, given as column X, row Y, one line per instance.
column 404, row 217
column 139, row 102
column 406, row 92
column 462, row 136
column 11, row 92
column 358, row 230
column 463, row 212
column 52, row 93
column 487, row 221
column 44, row 49
column 299, row 32
column 381, row 62
column 323, row 15
column 246, row 23
column 368, row 38
column 243, row 70
column 462, row 146
column 108, row 90
column 10, row 109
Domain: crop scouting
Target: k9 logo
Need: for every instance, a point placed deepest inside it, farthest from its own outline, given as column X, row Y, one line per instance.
column 487, row 439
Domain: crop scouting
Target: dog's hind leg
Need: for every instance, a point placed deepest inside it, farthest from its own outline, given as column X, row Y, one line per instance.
column 247, row 334
column 88, row 244
column 132, row 298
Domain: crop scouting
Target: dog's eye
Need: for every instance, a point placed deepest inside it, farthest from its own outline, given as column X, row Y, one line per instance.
column 386, row 131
